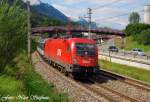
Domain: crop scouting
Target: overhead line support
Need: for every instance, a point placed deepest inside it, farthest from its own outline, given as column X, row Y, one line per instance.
column 29, row 30
column 89, row 21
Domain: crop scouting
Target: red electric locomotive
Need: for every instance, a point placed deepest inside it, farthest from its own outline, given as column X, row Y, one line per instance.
column 78, row 56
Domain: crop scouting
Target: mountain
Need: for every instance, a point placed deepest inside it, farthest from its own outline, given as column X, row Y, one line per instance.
column 94, row 25
column 42, row 14
column 50, row 11
column 84, row 23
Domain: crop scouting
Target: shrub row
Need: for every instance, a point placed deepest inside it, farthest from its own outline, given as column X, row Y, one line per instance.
column 140, row 32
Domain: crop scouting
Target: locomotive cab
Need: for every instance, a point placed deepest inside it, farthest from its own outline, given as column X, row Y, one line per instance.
column 85, row 57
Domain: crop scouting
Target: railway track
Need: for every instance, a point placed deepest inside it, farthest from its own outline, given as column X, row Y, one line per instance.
column 98, row 86
column 77, row 92
column 133, row 82
column 110, row 94
column 115, row 95
column 130, row 88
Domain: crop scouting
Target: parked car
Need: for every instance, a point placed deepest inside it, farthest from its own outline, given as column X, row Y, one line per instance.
column 137, row 51
column 113, row 48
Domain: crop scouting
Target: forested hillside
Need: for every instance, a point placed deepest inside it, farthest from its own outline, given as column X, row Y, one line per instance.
column 39, row 17
column 49, row 11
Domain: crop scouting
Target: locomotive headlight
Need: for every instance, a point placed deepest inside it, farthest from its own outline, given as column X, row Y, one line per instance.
column 74, row 61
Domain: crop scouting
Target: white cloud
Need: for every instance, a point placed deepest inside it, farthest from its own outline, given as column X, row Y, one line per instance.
column 117, row 23
column 73, row 13
column 87, row 1
column 33, row 2
column 97, row 15
column 96, row 1
column 76, row 8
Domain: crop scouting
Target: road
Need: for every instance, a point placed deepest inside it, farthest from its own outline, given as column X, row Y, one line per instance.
column 125, row 58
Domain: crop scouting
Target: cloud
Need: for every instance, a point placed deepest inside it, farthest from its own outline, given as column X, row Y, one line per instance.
column 73, row 13
column 87, row 1
column 76, row 8
column 119, row 21
column 112, row 8
column 97, row 15
column 99, row 2
column 116, row 23
column 33, row 2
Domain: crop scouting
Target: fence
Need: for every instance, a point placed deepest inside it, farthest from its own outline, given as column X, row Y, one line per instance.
column 126, row 55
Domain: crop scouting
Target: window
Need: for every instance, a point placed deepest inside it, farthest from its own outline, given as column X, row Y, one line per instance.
column 85, row 49
column 41, row 45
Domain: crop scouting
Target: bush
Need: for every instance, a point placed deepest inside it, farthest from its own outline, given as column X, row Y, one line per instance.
column 10, row 86
column 135, row 29
column 144, row 37
column 20, row 78
column 35, row 85
column 12, row 31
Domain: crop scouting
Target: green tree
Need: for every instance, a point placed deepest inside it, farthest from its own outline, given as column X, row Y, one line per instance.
column 144, row 37
column 135, row 29
column 12, row 31
column 134, row 18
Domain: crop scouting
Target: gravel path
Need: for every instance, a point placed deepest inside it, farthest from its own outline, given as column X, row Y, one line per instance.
column 76, row 92
column 127, row 89
column 110, row 95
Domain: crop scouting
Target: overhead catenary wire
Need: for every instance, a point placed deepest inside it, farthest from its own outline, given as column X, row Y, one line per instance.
column 120, row 15
column 112, row 17
column 108, row 4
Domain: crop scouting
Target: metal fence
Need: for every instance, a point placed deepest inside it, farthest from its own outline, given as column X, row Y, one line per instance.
column 126, row 55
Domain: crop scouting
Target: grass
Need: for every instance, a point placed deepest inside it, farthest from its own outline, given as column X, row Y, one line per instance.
column 19, row 78
column 139, row 74
column 130, row 44
column 36, row 86
column 10, row 86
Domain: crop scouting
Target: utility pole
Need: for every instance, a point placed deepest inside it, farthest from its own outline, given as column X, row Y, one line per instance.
column 29, row 31
column 89, row 20
column 80, row 22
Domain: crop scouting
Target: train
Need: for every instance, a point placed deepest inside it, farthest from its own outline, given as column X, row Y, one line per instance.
column 73, row 56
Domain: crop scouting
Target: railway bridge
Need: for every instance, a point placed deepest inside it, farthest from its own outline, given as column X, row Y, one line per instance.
column 96, row 33
column 99, row 34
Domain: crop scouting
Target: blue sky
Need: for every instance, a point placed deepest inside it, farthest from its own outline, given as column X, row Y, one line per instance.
column 103, row 16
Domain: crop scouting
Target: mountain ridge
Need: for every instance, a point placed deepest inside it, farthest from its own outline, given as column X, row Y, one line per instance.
column 50, row 11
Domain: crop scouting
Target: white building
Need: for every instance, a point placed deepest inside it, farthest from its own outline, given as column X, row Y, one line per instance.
column 147, row 14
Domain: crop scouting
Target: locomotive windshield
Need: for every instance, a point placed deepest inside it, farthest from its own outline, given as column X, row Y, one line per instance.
column 85, row 49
